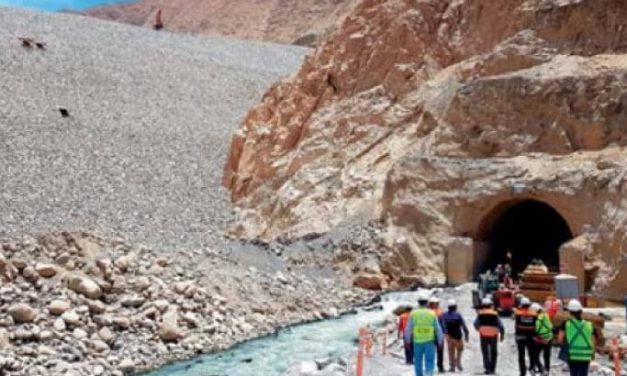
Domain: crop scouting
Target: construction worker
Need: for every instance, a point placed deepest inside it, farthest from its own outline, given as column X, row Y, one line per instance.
column 455, row 331
column 490, row 326
column 407, row 345
column 525, row 319
column 580, row 336
column 424, row 331
column 552, row 306
column 434, row 305
column 543, row 339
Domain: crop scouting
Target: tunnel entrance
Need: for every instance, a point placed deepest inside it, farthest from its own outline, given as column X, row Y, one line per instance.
column 520, row 232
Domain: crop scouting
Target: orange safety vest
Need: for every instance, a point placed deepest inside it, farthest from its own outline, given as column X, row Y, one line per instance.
column 488, row 323
column 525, row 321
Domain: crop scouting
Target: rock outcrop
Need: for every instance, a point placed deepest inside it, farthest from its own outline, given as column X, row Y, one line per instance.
column 424, row 114
column 301, row 22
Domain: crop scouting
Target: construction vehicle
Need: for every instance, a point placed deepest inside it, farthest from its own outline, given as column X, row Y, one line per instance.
column 489, row 285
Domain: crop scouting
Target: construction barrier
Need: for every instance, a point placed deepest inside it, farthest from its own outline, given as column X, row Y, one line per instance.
column 365, row 345
column 617, row 354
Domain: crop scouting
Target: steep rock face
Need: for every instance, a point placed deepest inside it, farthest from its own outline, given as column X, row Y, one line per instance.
column 284, row 21
column 453, row 80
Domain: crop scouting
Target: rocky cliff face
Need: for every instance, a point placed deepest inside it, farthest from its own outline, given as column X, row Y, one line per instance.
column 415, row 112
column 284, row 21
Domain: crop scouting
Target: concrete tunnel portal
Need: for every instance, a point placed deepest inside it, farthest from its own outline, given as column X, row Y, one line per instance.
column 526, row 229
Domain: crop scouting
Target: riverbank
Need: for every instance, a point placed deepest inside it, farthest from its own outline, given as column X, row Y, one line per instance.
column 77, row 304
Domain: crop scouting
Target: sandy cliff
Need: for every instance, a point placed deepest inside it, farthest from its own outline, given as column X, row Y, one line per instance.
column 284, row 21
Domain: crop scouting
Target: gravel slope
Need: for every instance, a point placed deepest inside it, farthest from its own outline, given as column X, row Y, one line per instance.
column 152, row 113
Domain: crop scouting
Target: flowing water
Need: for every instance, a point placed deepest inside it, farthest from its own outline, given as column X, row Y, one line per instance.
column 271, row 356
column 53, row 5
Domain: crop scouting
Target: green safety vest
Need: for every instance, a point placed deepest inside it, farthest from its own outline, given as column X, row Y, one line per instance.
column 423, row 321
column 579, row 338
column 544, row 327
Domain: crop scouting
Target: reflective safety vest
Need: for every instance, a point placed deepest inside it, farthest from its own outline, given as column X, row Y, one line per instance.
column 579, row 338
column 544, row 327
column 488, row 323
column 423, row 321
column 525, row 322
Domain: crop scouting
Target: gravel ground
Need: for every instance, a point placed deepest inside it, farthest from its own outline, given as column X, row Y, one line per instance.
column 507, row 364
column 142, row 154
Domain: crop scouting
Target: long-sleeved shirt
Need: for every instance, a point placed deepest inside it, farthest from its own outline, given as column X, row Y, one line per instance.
column 409, row 330
column 454, row 325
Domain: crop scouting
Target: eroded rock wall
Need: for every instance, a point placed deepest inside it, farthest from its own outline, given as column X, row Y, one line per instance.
column 467, row 81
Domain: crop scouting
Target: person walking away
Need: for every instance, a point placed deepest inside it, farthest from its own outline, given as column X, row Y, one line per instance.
column 424, row 331
column 525, row 320
column 434, row 305
column 407, row 345
column 455, row 331
column 489, row 325
column 580, row 336
column 544, row 339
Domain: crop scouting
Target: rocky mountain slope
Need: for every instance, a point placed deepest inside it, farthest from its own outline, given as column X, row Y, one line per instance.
column 150, row 116
column 283, row 21
column 429, row 115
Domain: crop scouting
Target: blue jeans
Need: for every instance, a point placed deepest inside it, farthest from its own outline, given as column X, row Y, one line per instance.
column 426, row 352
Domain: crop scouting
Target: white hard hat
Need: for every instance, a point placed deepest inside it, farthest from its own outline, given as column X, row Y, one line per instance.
column 452, row 302
column 575, row 306
column 423, row 296
column 486, row 302
column 525, row 301
column 434, row 300
column 536, row 307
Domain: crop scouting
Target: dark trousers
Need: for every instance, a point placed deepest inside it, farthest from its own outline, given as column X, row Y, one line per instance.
column 543, row 350
column 409, row 353
column 440, row 355
column 526, row 346
column 578, row 368
column 489, row 353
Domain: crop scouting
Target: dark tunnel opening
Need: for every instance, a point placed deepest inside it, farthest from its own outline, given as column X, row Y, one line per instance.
column 526, row 230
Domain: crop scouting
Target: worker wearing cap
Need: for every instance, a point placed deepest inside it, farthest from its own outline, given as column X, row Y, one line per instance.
column 455, row 331
column 543, row 339
column 490, row 326
column 525, row 319
column 424, row 331
column 434, row 305
column 579, row 336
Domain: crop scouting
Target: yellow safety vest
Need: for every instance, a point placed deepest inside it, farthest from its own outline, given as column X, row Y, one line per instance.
column 423, row 321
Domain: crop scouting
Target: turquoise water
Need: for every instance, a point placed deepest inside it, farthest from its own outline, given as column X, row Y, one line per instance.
column 272, row 356
column 53, row 5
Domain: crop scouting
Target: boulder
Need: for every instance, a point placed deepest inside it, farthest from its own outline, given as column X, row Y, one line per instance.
column 22, row 313
column 169, row 329
column 71, row 317
column 46, row 270
column 370, row 281
column 133, row 301
column 84, row 285
column 58, row 307
column 106, row 334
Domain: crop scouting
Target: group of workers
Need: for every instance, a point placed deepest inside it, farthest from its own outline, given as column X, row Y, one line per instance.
column 427, row 329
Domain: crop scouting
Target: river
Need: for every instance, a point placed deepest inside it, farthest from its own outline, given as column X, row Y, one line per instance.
column 271, row 356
